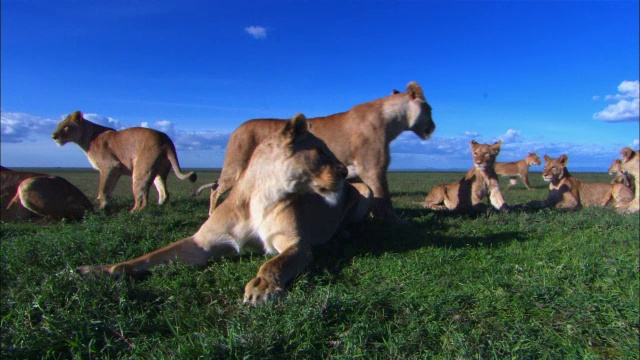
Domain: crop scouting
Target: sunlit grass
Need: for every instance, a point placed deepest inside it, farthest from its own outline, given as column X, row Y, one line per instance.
column 541, row 284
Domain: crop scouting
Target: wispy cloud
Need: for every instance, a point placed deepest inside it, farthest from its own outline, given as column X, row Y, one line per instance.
column 191, row 140
column 19, row 127
column 257, row 32
column 511, row 136
column 103, row 120
column 626, row 109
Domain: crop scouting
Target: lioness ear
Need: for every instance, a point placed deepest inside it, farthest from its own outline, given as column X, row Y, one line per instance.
column 547, row 158
column 77, row 117
column 395, row 91
column 473, row 143
column 496, row 146
column 627, row 153
column 414, row 90
column 563, row 159
column 297, row 126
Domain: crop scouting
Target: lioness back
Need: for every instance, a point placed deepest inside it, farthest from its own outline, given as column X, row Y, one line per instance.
column 359, row 138
column 26, row 195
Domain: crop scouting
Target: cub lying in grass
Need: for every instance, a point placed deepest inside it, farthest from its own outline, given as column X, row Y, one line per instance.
column 518, row 168
column 569, row 192
column 291, row 196
column 479, row 182
column 27, row 195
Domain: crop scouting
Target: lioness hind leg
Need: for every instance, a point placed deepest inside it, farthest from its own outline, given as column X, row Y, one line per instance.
column 188, row 250
column 142, row 181
column 435, row 198
column 161, row 186
column 16, row 211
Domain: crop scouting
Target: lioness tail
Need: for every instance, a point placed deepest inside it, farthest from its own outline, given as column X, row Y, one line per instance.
column 203, row 187
column 173, row 159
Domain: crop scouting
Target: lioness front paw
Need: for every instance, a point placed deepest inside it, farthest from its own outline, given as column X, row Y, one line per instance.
column 260, row 291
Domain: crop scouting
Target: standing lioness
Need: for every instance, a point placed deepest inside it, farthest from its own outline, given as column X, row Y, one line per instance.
column 359, row 138
column 145, row 154
column 291, row 196
column 25, row 195
column 518, row 168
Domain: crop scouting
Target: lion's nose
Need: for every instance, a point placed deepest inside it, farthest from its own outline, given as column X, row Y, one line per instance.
column 54, row 136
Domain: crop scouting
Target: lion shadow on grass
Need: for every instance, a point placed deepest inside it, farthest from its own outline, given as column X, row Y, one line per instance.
column 376, row 238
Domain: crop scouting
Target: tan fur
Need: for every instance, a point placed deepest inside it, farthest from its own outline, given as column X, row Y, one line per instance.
column 479, row 182
column 291, row 196
column 621, row 176
column 359, row 138
column 145, row 154
column 518, row 168
column 630, row 164
column 27, row 195
column 569, row 192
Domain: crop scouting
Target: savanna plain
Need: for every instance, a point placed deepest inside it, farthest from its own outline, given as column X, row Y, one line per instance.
column 540, row 284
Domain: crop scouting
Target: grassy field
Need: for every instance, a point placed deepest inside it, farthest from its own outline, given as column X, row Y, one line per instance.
column 524, row 285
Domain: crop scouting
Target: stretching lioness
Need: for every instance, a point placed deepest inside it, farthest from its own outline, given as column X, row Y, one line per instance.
column 518, row 168
column 291, row 196
column 569, row 192
column 145, row 154
column 27, row 195
column 479, row 182
column 630, row 164
column 359, row 138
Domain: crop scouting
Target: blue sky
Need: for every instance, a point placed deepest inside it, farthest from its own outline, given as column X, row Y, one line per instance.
column 547, row 76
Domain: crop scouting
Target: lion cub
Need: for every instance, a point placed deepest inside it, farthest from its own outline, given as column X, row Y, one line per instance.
column 291, row 196
column 145, row 154
column 518, row 168
column 621, row 176
column 569, row 192
column 479, row 182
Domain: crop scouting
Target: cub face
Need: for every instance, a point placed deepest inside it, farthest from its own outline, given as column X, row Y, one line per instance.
column 306, row 162
column 484, row 155
column 616, row 166
column 533, row 159
column 69, row 129
column 554, row 169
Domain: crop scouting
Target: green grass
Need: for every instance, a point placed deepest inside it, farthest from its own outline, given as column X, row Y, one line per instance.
column 524, row 285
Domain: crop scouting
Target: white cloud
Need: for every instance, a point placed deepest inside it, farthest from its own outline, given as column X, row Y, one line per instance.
column 19, row 127
column 103, row 120
column 510, row 136
column 257, row 32
column 628, row 106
